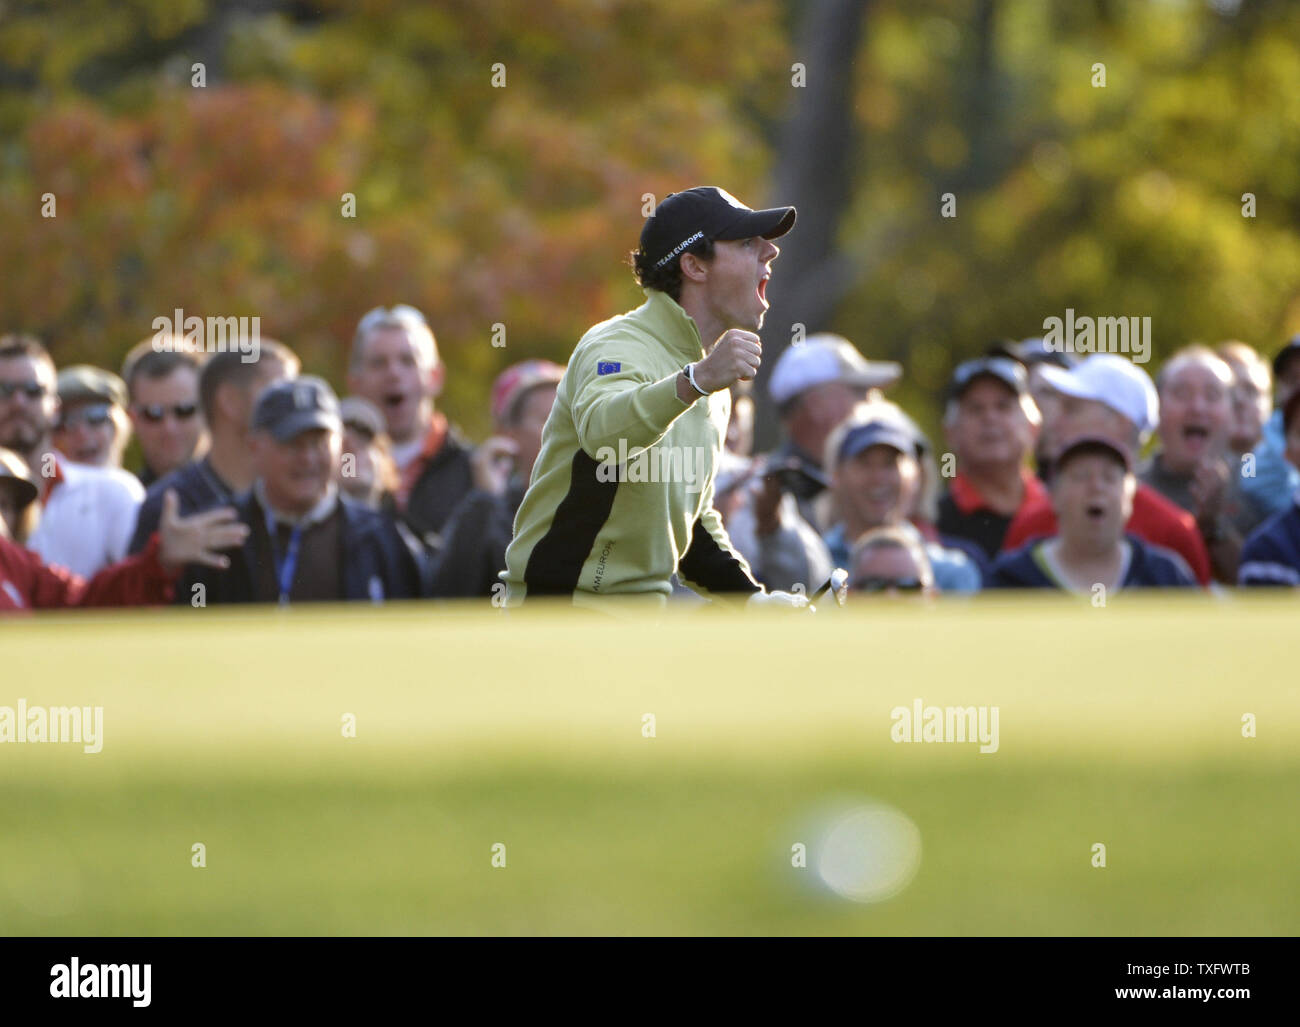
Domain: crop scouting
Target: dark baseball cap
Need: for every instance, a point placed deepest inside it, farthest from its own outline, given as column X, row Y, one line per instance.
column 1285, row 355
column 289, row 408
column 83, row 383
column 1081, row 444
column 706, row 212
column 1033, row 351
column 1009, row 372
column 862, row 437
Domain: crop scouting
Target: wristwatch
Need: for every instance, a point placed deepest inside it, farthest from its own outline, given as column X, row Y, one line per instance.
column 689, row 371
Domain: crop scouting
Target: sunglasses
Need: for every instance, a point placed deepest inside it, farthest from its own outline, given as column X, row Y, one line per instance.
column 96, row 416
column 878, row 584
column 155, row 413
column 32, row 390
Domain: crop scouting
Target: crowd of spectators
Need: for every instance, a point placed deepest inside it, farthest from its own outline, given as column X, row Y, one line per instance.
column 256, row 483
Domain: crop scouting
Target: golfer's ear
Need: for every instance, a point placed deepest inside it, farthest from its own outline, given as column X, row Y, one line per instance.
column 694, row 268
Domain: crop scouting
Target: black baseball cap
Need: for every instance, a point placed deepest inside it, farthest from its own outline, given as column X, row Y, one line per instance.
column 1033, row 351
column 706, row 212
column 289, row 408
column 1005, row 370
column 1285, row 355
column 1092, row 444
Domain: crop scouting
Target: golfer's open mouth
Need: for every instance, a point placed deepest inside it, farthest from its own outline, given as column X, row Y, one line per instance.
column 762, row 287
column 1095, row 511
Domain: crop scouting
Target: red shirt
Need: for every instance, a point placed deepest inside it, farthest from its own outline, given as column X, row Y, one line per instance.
column 964, row 512
column 28, row 583
column 1155, row 519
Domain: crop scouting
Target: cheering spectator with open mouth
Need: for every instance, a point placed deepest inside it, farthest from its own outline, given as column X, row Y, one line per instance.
column 1193, row 467
column 92, row 426
column 1092, row 493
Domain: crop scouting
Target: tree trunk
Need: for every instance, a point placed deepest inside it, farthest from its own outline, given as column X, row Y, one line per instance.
column 814, row 172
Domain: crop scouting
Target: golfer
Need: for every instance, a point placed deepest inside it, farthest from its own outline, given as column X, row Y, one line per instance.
column 621, row 495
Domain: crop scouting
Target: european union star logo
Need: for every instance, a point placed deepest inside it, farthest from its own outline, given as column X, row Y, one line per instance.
column 608, row 367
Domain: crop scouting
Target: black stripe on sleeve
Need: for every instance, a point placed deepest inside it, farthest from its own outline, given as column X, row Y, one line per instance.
column 707, row 564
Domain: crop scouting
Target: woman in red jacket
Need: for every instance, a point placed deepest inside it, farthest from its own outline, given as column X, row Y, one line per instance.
column 146, row 579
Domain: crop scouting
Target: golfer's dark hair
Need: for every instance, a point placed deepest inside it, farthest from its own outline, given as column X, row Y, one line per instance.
column 235, row 368
column 668, row 278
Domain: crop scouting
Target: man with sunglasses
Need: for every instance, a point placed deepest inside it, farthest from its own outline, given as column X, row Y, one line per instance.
column 229, row 385
column 92, row 426
column 890, row 561
column 991, row 423
column 162, row 381
column 87, row 513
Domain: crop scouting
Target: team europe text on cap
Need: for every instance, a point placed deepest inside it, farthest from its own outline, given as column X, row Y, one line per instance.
column 707, row 212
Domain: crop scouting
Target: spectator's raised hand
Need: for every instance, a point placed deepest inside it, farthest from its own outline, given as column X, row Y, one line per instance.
column 198, row 539
column 492, row 463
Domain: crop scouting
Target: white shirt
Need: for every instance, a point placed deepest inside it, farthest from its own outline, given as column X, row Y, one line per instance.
column 88, row 518
column 405, row 452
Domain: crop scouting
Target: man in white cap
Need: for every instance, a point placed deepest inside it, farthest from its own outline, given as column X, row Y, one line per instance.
column 1111, row 397
column 815, row 385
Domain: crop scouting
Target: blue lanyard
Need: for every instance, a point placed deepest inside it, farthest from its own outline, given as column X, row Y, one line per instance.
column 283, row 571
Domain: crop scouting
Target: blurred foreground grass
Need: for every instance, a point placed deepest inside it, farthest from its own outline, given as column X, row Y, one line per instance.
column 473, row 727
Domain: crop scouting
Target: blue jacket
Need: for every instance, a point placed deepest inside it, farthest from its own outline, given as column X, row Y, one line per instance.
column 1149, row 566
column 1271, row 555
column 381, row 559
column 1275, row 481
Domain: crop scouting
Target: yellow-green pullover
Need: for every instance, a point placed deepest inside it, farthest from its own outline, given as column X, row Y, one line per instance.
column 621, row 495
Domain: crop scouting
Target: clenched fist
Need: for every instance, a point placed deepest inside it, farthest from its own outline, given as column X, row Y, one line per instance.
column 736, row 357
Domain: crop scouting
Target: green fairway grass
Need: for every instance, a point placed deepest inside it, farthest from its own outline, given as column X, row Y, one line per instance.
column 1119, row 726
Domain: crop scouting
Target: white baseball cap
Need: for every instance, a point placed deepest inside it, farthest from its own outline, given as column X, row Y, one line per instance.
column 823, row 358
column 1113, row 380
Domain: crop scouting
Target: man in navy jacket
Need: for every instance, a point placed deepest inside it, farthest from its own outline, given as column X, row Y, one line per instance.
column 306, row 542
column 1271, row 555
